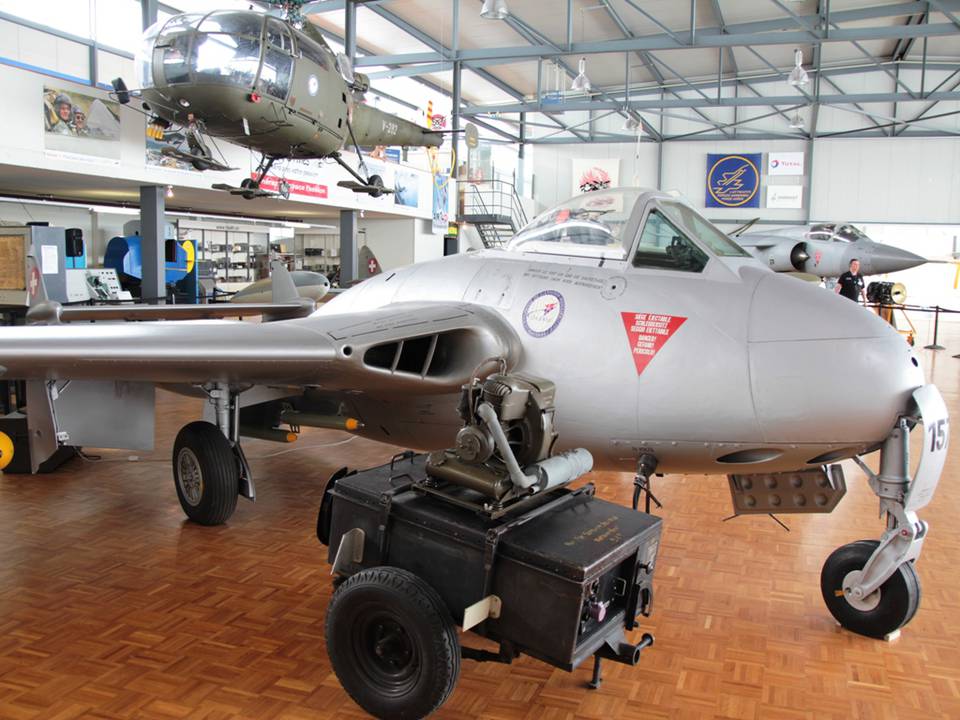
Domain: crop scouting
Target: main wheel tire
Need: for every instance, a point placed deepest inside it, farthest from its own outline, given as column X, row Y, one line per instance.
column 885, row 610
column 392, row 643
column 206, row 473
column 375, row 182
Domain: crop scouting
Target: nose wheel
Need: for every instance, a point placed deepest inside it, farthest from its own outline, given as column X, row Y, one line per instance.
column 881, row 612
column 871, row 587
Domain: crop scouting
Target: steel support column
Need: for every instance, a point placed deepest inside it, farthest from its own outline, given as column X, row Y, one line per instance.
column 152, row 255
column 148, row 12
column 350, row 29
column 348, row 247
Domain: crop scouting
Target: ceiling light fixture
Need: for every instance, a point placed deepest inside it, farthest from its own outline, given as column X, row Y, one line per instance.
column 798, row 76
column 581, row 83
column 632, row 125
column 494, row 10
column 796, row 122
column 169, row 192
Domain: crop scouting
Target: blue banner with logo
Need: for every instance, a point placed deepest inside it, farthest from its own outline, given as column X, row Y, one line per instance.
column 733, row 180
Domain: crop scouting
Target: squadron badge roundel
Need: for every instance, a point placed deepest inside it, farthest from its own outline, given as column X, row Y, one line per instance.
column 543, row 313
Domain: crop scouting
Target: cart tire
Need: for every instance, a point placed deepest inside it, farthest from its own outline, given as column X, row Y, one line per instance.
column 392, row 643
column 205, row 473
column 889, row 608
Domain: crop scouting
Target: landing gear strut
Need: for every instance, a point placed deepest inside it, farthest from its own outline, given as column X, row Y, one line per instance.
column 871, row 587
column 209, row 468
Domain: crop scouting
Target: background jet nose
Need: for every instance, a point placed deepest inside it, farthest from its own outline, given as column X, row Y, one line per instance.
column 824, row 369
column 887, row 259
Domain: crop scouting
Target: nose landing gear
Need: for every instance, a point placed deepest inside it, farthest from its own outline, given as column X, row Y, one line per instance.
column 871, row 587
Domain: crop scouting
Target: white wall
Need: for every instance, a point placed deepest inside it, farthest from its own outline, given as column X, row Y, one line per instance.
column 392, row 241
column 905, row 180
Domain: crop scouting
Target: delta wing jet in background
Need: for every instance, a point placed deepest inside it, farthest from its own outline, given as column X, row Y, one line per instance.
column 670, row 349
column 824, row 250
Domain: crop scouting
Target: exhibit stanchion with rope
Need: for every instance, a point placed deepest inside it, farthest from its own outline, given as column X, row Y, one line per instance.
column 936, row 331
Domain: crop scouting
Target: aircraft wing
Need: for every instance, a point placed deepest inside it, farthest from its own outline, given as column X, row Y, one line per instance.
column 51, row 312
column 757, row 243
column 419, row 347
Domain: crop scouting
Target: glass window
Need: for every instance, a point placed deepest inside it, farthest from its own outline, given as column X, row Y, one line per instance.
column 702, row 229
column 174, row 56
column 278, row 36
column 320, row 55
column 232, row 59
column 172, row 48
column 276, row 72
column 233, row 23
column 589, row 225
column 663, row 245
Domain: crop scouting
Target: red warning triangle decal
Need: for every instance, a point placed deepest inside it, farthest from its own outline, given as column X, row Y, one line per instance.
column 647, row 334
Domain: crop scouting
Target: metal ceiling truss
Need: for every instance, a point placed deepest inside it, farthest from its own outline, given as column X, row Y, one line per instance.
column 792, row 30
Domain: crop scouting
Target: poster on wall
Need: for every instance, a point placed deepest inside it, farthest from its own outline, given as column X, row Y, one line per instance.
column 77, row 124
column 406, row 188
column 590, row 175
column 785, row 196
column 441, row 202
column 162, row 146
column 785, row 163
column 733, row 181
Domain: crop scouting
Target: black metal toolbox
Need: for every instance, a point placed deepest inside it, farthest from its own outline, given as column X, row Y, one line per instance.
column 571, row 571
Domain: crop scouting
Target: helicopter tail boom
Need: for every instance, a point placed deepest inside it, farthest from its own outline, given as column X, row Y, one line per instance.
column 373, row 127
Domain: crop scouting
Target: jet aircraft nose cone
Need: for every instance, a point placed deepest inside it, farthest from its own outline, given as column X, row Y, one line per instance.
column 887, row 259
column 824, row 369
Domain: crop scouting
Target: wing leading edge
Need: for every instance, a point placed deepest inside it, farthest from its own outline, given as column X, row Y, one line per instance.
column 414, row 347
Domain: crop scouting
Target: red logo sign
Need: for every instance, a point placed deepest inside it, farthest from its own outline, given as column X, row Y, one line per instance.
column 647, row 334
column 372, row 266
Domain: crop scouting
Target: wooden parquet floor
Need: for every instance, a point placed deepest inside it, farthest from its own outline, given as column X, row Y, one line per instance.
column 112, row 606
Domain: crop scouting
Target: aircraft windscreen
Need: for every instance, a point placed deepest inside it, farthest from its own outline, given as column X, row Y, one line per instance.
column 836, row 232
column 702, row 229
column 222, row 47
column 590, row 225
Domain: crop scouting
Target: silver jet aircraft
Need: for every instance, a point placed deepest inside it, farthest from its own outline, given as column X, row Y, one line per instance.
column 824, row 250
column 671, row 349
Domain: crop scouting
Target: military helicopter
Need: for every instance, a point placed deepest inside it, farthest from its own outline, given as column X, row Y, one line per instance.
column 260, row 82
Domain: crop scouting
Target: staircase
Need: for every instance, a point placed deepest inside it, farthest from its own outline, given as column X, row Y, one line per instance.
column 493, row 208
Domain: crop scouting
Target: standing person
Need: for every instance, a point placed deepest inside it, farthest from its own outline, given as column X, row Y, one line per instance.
column 850, row 284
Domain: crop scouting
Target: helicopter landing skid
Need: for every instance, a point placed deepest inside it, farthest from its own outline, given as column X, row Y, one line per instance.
column 249, row 190
column 200, row 162
column 372, row 186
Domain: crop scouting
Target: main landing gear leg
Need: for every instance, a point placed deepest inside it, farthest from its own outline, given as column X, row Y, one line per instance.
column 209, row 467
column 869, row 586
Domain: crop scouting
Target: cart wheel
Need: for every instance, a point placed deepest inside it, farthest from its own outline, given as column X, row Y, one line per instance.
column 886, row 609
column 392, row 643
column 206, row 474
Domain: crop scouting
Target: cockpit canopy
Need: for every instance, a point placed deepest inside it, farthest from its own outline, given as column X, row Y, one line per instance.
column 837, row 232
column 242, row 49
column 660, row 232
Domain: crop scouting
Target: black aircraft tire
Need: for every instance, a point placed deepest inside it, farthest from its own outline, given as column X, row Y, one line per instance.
column 376, row 182
column 392, row 643
column 899, row 596
column 205, row 473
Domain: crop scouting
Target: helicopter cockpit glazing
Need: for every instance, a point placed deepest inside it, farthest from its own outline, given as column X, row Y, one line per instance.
column 242, row 49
